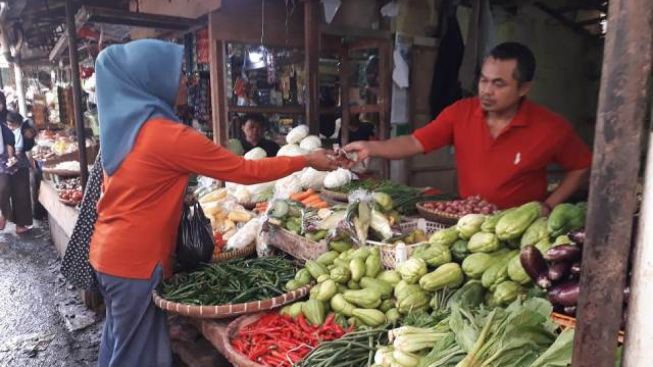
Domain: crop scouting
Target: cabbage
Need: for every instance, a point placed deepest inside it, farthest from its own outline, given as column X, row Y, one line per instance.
column 235, row 146
column 287, row 186
column 256, row 154
column 297, row 134
column 311, row 178
column 290, row 150
column 310, row 143
column 337, row 178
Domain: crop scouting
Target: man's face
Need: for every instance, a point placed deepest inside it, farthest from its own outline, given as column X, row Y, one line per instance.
column 498, row 89
column 253, row 131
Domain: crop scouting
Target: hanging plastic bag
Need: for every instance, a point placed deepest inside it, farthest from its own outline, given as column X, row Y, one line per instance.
column 195, row 242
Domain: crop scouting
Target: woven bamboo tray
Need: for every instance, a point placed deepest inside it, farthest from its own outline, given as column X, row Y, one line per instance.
column 334, row 196
column 69, row 202
column 437, row 216
column 61, row 172
column 568, row 322
column 389, row 256
column 235, row 357
column 230, row 310
column 245, row 252
column 295, row 245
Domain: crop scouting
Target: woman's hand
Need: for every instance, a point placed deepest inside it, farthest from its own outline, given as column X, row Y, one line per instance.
column 321, row 160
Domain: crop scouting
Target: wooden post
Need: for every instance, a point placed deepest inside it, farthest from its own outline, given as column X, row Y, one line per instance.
column 218, row 90
column 312, row 54
column 622, row 110
column 77, row 90
column 385, row 90
column 344, row 94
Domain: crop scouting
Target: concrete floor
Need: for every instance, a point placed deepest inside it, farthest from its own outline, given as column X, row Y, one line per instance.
column 42, row 322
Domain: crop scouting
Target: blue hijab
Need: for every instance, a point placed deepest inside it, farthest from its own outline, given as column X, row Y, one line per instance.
column 136, row 82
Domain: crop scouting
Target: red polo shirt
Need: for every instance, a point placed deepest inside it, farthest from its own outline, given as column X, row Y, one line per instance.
column 511, row 169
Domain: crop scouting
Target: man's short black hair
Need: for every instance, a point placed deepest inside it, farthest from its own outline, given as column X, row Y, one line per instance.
column 14, row 118
column 257, row 118
column 519, row 52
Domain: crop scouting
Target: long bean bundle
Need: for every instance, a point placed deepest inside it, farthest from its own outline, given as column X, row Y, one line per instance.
column 355, row 349
column 231, row 282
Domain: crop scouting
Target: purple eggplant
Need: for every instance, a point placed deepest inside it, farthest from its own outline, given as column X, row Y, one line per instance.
column 575, row 269
column 570, row 310
column 566, row 253
column 533, row 263
column 558, row 271
column 577, row 237
column 565, row 294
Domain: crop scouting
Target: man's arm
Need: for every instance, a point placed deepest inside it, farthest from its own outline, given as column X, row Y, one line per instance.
column 395, row 148
column 572, row 182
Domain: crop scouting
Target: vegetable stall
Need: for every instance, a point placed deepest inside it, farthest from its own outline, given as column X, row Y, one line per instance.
column 349, row 272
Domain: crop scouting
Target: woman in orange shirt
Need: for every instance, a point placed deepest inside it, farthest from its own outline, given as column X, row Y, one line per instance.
column 147, row 157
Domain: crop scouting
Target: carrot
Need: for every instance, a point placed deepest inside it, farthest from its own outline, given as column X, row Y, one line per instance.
column 321, row 205
column 300, row 196
column 311, row 199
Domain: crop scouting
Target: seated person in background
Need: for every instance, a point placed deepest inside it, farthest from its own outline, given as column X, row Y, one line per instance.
column 253, row 131
column 360, row 129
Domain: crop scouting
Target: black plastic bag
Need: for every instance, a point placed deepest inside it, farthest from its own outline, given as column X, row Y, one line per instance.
column 195, row 242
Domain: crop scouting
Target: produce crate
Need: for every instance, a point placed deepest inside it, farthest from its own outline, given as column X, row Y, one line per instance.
column 229, row 310
column 294, row 245
column 389, row 254
column 229, row 255
column 568, row 322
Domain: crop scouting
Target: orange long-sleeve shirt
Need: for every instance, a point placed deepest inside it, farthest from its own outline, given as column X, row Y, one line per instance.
column 140, row 210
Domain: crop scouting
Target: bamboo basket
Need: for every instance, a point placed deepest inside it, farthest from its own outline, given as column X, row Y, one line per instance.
column 229, row 310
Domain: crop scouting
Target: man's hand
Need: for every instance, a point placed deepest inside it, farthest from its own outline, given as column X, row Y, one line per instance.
column 321, row 160
column 363, row 149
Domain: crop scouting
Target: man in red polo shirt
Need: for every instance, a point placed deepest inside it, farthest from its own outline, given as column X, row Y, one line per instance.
column 503, row 142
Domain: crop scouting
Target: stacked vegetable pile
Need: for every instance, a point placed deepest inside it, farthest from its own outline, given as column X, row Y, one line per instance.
column 487, row 247
column 281, row 341
column 463, row 335
column 225, row 216
column 404, row 198
column 557, row 270
column 351, row 282
column 231, row 282
column 461, row 207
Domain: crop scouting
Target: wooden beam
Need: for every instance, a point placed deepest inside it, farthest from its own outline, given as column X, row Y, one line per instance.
column 112, row 16
column 71, row 33
column 562, row 19
column 62, row 42
column 622, row 112
column 344, row 93
column 122, row 17
column 312, row 64
column 220, row 116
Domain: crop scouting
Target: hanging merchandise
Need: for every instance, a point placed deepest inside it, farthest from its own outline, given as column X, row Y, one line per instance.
column 202, row 46
column 255, row 58
column 330, row 9
column 271, row 68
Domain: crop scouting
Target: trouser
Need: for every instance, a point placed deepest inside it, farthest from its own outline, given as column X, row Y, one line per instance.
column 135, row 331
column 19, row 209
column 35, row 177
column 5, row 195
